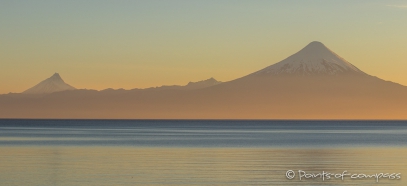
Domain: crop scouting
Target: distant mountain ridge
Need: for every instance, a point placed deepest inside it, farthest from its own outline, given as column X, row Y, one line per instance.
column 314, row 83
column 56, row 84
column 192, row 85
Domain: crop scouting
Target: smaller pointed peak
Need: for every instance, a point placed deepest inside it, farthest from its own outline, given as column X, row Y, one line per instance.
column 56, row 76
column 49, row 85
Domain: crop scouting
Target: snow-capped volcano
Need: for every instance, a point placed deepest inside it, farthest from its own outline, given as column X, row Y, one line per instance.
column 50, row 85
column 314, row 59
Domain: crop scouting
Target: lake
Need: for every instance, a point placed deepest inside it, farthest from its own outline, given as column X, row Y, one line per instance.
column 201, row 152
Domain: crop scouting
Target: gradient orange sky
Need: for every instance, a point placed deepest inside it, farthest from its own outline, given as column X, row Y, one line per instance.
column 138, row 44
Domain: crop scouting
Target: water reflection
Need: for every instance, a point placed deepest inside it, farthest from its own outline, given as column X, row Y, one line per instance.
column 56, row 165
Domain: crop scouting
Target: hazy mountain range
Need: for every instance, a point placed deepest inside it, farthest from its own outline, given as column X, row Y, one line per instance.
column 56, row 84
column 314, row 83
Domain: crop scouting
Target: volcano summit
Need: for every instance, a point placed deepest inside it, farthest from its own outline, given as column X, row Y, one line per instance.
column 314, row 59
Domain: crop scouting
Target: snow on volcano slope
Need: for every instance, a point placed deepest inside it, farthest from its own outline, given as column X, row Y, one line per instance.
column 315, row 58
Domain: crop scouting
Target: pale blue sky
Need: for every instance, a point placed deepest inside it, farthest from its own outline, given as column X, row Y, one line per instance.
column 128, row 44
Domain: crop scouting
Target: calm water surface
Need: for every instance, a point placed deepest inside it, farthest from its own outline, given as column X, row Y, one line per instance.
column 158, row 152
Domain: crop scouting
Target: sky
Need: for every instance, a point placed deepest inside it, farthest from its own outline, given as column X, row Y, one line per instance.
column 98, row 44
